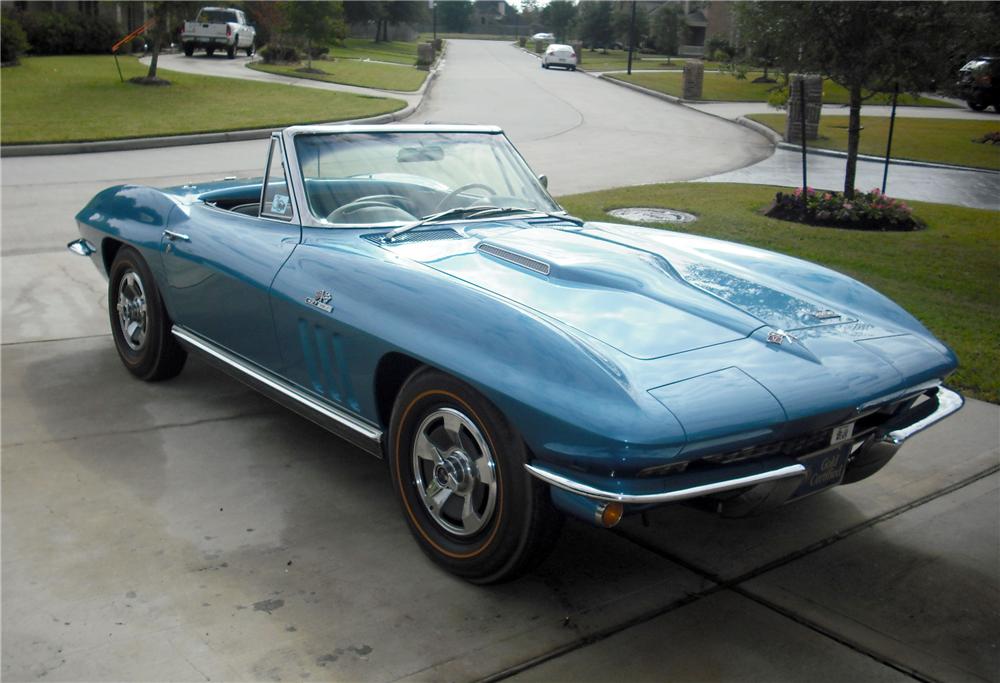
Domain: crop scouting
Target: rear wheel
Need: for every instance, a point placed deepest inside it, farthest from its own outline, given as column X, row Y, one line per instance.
column 976, row 106
column 231, row 51
column 457, row 467
column 139, row 322
column 188, row 50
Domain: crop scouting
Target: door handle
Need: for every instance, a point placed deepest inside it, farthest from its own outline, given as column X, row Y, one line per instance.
column 175, row 236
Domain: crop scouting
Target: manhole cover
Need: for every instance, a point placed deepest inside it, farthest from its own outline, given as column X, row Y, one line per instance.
column 650, row 215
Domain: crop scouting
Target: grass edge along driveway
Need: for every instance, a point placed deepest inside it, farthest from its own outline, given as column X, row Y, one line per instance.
column 724, row 87
column 353, row 72
column 945, row 275
column 80, row 98
column 946, row 141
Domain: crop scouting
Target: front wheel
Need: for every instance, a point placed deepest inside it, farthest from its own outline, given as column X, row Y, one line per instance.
column 457, row 467
column 976, row 106
column 250, row 50
column 139, row 322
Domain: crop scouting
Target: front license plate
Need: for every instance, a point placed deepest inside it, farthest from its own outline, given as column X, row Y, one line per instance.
column 823, row 469
column 842, row 433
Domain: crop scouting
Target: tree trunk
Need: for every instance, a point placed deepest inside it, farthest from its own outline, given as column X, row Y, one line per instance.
column 156, row 55
column 309, row 54
column 853, row 140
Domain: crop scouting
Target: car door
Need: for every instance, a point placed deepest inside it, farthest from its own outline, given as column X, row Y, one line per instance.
column 219, row 265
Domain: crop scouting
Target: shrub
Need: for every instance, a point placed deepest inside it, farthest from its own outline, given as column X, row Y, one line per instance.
column 522, row 41
column 14, row 43
column 280, row 54
column 867, row 211
column 316, row 52
column 52, row 33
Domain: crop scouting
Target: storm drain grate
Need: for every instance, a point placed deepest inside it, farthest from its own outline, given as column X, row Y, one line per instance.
column 652, row 215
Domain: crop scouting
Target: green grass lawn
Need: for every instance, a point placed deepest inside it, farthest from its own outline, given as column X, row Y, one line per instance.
column 365, row 48
column 69, row 99
column 948, row 141
column 353, row 72
column 945, row 275
column 725, row 87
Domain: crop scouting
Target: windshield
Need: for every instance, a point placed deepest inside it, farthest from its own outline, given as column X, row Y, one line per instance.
column 398, row 177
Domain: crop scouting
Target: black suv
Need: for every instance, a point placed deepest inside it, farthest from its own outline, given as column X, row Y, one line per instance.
column 979, row 83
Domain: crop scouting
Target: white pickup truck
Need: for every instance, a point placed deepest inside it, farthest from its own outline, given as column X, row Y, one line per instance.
column 219, row 28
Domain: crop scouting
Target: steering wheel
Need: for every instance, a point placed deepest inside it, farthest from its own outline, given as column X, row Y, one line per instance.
column 381, row 201
column 459, row 190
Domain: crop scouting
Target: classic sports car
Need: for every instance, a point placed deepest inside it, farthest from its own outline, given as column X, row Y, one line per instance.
column 416, row 291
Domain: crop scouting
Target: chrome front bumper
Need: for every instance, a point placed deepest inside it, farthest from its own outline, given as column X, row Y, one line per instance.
column 939, row 405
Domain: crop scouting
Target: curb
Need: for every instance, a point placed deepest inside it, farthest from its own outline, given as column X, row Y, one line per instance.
column 758, row 127
column 646, row 91
column 867, row 157
column 128, row 144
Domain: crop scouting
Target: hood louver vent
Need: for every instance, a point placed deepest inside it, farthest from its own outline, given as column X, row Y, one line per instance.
column 515, row 258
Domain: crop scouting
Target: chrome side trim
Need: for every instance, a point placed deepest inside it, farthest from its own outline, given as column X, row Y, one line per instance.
column 81, row 247
column 345, row 425
column 948, row 402
column 666, row 496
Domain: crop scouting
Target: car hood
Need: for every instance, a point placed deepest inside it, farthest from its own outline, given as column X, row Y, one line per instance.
column 626, row 288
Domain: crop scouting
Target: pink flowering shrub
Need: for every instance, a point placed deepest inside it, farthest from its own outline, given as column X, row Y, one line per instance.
column 867, row 211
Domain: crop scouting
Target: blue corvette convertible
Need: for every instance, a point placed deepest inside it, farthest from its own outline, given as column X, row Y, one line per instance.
column 416, row 291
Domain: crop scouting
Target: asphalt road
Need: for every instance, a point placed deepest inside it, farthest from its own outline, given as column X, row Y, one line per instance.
column 192, row 530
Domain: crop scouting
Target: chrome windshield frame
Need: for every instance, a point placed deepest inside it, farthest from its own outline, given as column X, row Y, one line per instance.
column 306, row 217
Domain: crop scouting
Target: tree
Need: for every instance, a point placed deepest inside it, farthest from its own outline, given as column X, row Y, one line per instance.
column 317, row 24
column 866, row 47
column 595, row 24
column 665, row 28
column 557, row 16
column 455, row 15
column 621, row 22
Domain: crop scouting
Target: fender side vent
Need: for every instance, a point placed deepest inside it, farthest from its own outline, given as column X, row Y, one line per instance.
column 417, row 236
column 515, row 258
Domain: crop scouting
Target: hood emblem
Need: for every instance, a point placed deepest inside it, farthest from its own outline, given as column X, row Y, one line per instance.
column 321, row 300
column 826, row 314
column 779, row 337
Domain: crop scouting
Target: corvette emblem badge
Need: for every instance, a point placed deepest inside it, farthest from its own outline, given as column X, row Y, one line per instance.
column 779, row 337
column 321, row 300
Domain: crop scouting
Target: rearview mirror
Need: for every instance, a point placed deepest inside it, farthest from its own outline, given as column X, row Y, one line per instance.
column 427, row 153
column 544, row 180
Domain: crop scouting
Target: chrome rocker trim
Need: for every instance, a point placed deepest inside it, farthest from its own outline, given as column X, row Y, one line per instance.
column 340, row 423
column 948, row 402
column 666, row 496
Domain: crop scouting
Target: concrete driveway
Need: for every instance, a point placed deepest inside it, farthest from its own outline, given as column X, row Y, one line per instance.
column 192, row 530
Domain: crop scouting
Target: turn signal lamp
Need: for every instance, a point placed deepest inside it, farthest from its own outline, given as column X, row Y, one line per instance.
column 612, row 514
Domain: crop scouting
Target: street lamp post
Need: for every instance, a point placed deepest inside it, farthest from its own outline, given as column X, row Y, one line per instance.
column 631, row 38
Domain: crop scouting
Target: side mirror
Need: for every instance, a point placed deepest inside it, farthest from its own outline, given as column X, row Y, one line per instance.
column 544, row 180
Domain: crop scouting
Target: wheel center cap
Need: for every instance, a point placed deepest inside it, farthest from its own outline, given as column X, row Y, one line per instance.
column 453, row 472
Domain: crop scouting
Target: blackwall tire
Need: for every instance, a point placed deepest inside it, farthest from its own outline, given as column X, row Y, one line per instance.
column 457, row 468
column 139, row 322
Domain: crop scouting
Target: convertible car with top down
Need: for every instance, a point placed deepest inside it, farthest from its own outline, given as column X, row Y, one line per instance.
column 416, row 291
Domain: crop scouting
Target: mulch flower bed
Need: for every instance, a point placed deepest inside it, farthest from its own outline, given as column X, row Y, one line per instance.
column 866, row 211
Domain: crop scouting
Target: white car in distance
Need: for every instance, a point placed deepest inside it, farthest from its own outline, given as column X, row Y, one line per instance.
column 559, row 55
column 549, row 37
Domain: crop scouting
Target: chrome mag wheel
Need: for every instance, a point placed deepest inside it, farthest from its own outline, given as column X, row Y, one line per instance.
column 131, row 307
column 454, row 472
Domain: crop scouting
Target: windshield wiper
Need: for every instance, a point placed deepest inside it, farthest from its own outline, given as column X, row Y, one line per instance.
column 520, row 209
column 393, row 235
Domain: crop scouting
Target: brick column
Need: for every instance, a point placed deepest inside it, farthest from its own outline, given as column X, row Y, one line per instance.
column 694, row 77
column 814, row 106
